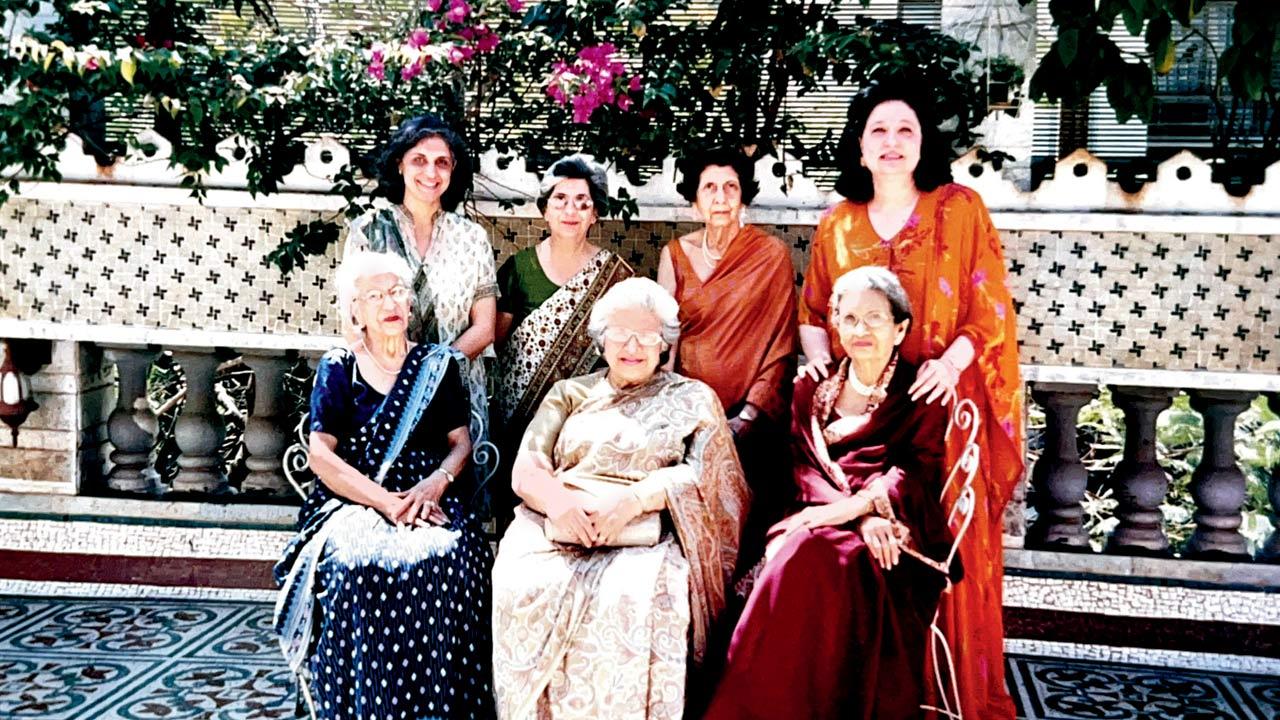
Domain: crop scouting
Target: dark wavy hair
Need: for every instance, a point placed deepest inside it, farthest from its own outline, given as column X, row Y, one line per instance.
column 692, row 165
column 410, row 133
column 934, row 169
column 576, row 167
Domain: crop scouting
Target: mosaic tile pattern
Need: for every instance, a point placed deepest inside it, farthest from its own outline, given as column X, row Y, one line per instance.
column 1140, row 300
column 217, row 660
column 137, row 659
column 1049, row 689
column 1142, row 600
column 1181, row 659
column 142, row 540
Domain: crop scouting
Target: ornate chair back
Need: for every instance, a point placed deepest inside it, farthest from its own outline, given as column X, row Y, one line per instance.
column 484, row 455
column 960, row 499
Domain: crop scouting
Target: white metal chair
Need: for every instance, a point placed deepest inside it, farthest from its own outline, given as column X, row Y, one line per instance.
column 484, row 455
column 964, row 419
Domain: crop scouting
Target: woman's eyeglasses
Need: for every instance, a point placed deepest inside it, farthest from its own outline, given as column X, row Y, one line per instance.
column 622, row 336
column 399, row 293
column 560, row 202
column 872, row 321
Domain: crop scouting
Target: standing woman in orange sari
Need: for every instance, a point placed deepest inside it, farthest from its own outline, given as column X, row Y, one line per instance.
column 903, row 212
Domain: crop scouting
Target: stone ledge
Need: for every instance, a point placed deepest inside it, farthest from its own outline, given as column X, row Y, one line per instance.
column 79, row 508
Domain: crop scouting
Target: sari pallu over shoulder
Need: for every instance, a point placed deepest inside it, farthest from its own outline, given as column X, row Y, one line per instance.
column 375, row 454
column 551, row 344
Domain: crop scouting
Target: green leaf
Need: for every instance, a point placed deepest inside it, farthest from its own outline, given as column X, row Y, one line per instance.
column 1067, row 45
column 1133, row 20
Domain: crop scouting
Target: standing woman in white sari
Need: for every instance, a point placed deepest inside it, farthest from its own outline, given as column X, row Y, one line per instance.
column 547, row 293
column 425, row 172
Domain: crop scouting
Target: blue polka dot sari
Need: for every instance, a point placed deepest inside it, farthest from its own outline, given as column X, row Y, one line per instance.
column 381, row 621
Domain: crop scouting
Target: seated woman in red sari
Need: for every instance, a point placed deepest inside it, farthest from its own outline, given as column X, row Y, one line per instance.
column 836, row 624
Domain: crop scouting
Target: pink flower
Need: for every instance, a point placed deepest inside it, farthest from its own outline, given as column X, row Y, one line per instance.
column 410, row 72
column 557, row 93
column 377, row 68
column 634, row 83
column 583, row 107
column 624, row 102
column 516, row 5
column 419, row 38
column 91, row 64
column 945, row 287
column 459, row 54
column 458, row 11
column 487, row 43
column 978, row 277
column 434, row 5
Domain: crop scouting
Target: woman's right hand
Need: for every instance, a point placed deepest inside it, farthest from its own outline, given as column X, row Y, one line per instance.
column 567, row 510
column 815, row 369
column 390, row 506
column 882, row 540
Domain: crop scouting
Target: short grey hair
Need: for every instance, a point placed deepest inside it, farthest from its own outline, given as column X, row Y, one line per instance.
column 363, row 264
column 873, row 277
column 636, row 292
column 576, row 167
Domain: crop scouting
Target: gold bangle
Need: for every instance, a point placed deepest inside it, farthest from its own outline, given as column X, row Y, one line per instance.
column 448, row 476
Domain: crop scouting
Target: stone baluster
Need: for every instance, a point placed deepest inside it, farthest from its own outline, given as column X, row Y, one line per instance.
column 1139, row 481
column 1218, row 485
column 199, row 429
column 132, row 425
column 265, row 434
column 1270, row 550
column 1059, row 477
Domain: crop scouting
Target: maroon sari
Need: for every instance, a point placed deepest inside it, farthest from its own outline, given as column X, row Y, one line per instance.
column 827, row 633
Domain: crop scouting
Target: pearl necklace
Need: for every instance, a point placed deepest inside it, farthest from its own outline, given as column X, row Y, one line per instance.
column 707, row 257
column 373, row 359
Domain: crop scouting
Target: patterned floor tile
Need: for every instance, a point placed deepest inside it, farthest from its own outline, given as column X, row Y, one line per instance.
column 62, row 688
column 15, row 612
column 210, row 690
column 1261, row 695
column 171, row 659
column 1051, row 689
column 126, row 627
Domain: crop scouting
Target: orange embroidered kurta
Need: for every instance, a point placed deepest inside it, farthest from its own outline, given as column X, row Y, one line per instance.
column 951, row 264
column 738, row 327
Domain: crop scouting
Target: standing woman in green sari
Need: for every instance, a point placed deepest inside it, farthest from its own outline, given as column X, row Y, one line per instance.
column 547, row 293
column 425, row 172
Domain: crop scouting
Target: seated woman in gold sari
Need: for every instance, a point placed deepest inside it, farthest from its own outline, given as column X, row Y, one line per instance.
column 617, row 561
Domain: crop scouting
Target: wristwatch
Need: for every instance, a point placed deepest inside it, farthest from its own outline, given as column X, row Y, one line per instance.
column 748, row 413
column 448, row 476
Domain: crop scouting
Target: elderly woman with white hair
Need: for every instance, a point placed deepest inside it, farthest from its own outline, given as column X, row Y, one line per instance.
column 383, row 608
column 546, row 293
column 616, row 563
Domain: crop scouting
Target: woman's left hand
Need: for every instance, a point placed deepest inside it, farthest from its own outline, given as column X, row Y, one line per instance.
column 935, row 379
column 830, row 514
column 612, row 512
column 421, row 504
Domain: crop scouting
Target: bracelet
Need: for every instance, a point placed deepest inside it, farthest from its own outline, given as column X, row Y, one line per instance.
column 955, row 371
column 448, row 476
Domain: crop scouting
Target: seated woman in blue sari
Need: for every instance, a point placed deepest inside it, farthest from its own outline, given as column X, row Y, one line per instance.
column 384, row 603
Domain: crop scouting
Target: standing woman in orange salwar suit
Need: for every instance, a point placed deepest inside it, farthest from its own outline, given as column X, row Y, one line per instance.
column 903, row 212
